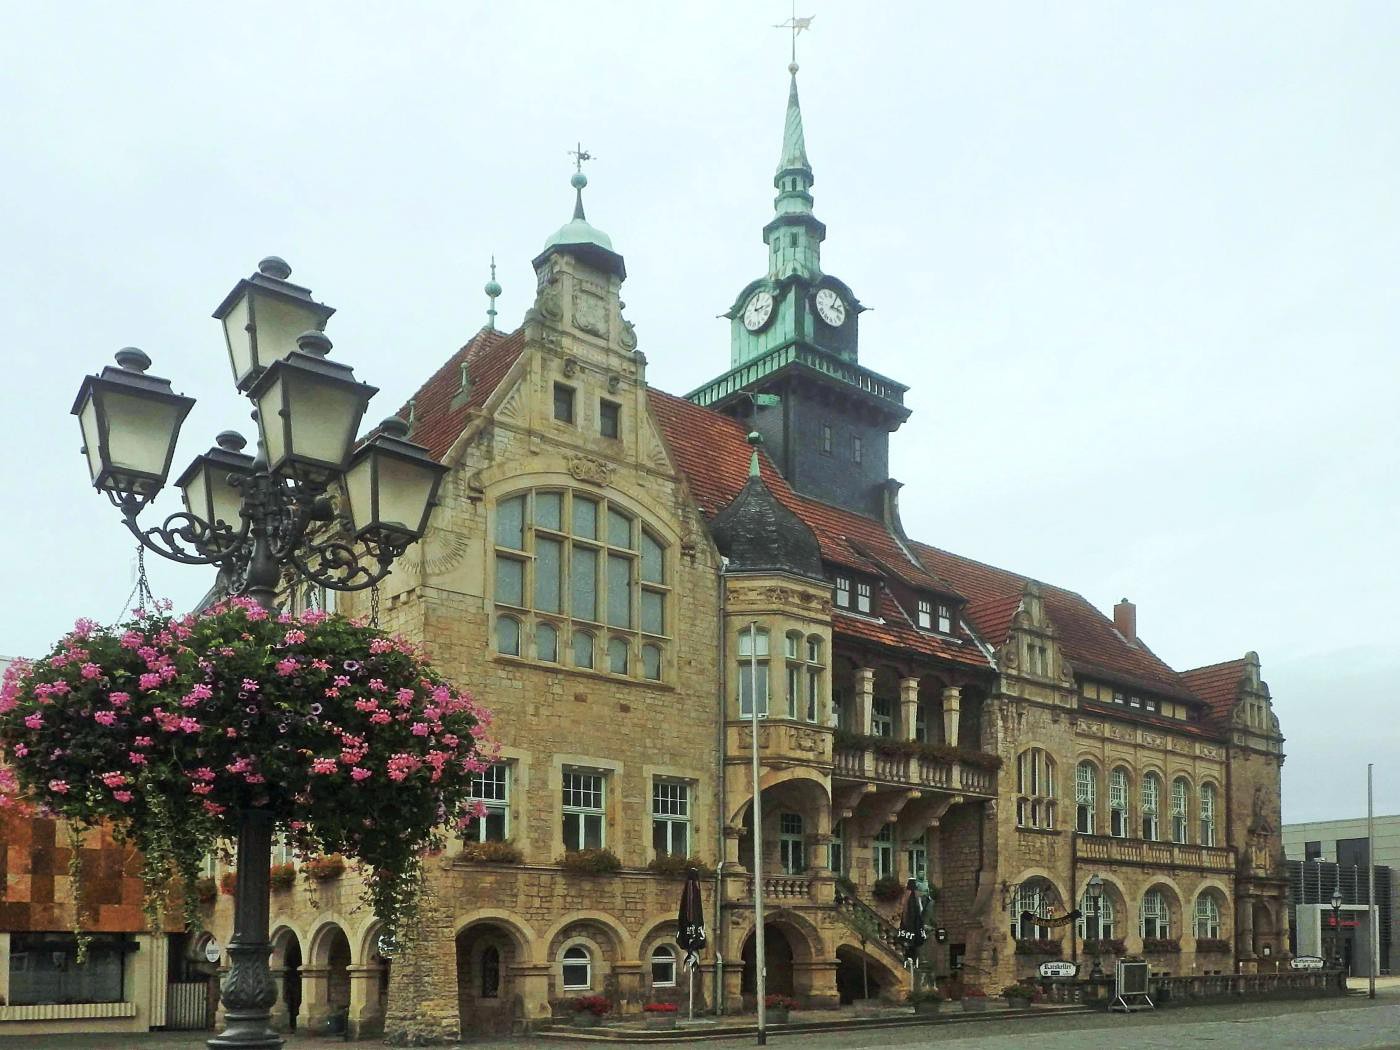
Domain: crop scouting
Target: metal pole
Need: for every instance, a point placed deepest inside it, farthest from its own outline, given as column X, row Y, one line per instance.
column 760, row 960
column 1372, row 927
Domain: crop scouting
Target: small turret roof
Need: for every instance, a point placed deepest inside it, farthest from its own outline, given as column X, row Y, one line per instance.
column 758, row 534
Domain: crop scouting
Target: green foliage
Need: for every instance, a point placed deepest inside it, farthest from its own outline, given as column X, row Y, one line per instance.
column 892, row 748
column 492, row 853
column 1023, row 992
column 282, row 876
column 887, row 888
column 926, row 994
column 1039, row 946
column 670, row 866
column 1160, row 944
column 591, row 862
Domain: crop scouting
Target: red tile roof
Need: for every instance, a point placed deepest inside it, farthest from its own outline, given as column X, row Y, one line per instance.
column 1218, row 685
column 439, row 417
column 895, row 631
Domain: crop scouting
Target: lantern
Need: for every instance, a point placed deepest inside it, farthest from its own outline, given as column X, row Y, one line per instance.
column 262, row 318
column 130, row 423
column 208, row 483
column 391, row 484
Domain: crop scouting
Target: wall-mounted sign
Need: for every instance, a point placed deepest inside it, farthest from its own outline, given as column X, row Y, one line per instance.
column 1307, row 962
column 940, row 935
column 388, row 947
column 1058, row 968
column 212, row 951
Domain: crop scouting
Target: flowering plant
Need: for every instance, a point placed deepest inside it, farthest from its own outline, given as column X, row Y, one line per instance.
column 323, row 869
column 228, row 882
column 282, row 876
column 597, row 1005
column 167, row 728
column 659, row 1008
column 779, row 1002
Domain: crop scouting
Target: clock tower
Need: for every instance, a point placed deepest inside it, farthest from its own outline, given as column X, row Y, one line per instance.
column 795, row 374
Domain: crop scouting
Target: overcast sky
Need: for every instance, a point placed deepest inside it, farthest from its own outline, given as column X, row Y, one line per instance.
column 1139, row 264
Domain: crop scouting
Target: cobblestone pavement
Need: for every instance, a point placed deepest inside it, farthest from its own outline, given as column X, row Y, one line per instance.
column 1355, row 1023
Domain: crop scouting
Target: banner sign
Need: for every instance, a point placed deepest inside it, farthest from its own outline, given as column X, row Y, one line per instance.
column 1058, row 968
column 1040, row 920
column 1307, row 962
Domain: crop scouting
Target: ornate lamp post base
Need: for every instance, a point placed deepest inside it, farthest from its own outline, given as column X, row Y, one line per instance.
column 249, row 989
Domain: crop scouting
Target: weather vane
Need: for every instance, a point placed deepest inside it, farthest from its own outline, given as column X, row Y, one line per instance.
column 580, row 155
column 796, row 24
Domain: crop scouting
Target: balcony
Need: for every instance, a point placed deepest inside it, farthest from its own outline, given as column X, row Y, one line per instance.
column 1144, row 854
column 911, row 769
column 781, row 742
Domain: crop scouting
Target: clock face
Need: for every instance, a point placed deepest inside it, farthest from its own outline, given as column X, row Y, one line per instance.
column 830, row 308
column 757, row 312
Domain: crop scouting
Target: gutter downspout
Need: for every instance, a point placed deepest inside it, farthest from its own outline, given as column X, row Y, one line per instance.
column 721, row 742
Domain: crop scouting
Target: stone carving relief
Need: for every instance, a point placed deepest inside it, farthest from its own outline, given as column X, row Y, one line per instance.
column 1181, row 746
column 1153, row 740
column 590, row 313
column 550, row 305
column 1206, row 751
column 628, row 336
column 1090, row 728
column 586, row 468
column 806, row 740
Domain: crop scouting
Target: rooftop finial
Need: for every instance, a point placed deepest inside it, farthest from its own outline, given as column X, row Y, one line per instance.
column 755, row 440
column 579, row 180
column 492, row 290
column 796, row 25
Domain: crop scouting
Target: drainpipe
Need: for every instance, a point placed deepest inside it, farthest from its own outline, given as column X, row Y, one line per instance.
column 722, row 810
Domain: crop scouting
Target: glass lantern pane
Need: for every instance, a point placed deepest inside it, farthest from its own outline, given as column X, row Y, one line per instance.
column 278, row 322
column 140, row 432
column 92, row 437
column 226, row 499
column 240, row 342
column 404, row 490
column 358, row 490
column 324, row 417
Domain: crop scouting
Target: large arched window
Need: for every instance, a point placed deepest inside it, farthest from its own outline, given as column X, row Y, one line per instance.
column 1034, row 898
column 577, row 969
column 1035, row 789
column 1156, row 916
column 1208, row 916
column 1097, row 919
column 1086, row 790
column 572, row 563
column 490, row 972
column 663, row 967
column 1181, row 821
column 1151, row 798
column 1118, row 822
column 1207, row 814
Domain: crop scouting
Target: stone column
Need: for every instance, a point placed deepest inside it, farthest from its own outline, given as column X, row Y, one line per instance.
column 732, row 835
column 734, row 982
column 533, row 982
column 864, row 700
column 366, row 1003
column 952, row 706
column 423, row 1008
column 281, row 1009
column 908, row 707
column 1244, row 911
column 814, row 984
column 315, row 996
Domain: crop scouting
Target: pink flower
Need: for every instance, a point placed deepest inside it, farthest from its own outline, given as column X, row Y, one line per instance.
column 323, row 765
column 320, row 665
column 202, row 773
column 142, row 741
column 230, row 732
column 150, row 680
column 201, row 789
column 287, row 667
column 118, row 699
column 360, row 773
column 91, row 671
column 113, row 780
column 21, row 750
column 419, row 729
column 105, row 718
column 136, row 758
column 340, row 680
column 58, row 787
column 201, row 692
column 294, row 637
column 122, row 796
column 213, row 807
column 250, row 685
column 333, row 692
column 380, row 718
column 376, row 685
column 34, row 721
column 190, row 725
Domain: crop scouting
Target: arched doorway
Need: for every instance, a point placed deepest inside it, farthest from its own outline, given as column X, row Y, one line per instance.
column 286, row 970
column 326, row 979
column 487, row 1000
column 860, row 977
column 777, row 950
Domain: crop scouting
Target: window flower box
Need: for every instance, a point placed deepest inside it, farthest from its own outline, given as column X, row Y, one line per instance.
column 777, row 1007
column 1039, row 946
column 1160, row 945
column 591, row 862
column 659, row 1016
column 1213, row 944
column 492, row 853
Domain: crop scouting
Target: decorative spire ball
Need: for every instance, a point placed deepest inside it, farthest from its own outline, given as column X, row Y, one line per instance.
column 755, row 439
column 792, row 68
column 492, row 290
column 578, row 180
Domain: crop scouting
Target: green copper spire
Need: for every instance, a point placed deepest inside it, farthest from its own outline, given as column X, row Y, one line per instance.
column 578, row 235
column 794, row 145
column 755, row 439
column 794, row 236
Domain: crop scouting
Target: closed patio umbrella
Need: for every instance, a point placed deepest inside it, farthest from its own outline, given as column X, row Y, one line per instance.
column 690, row 928
column 911, row 922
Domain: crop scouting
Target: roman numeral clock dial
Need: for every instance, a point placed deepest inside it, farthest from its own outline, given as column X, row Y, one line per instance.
column 830, row 308
column 758, row 311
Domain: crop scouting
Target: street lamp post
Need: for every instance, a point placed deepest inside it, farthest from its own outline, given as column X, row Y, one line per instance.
column 1093, row 896
column 263, row 520
column 1337, row 926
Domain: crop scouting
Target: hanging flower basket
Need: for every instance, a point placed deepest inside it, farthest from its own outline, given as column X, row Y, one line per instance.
column 282, row 876
column 167, row 729
column 323, row 869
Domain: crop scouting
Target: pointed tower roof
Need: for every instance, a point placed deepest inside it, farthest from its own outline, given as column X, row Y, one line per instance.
column 581, row 238
column 758, row 534
column 794, row 144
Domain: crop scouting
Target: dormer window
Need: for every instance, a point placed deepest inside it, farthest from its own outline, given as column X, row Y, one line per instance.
column 945, row 620
column 925, row 614
column 843, row 592
column 863, row 600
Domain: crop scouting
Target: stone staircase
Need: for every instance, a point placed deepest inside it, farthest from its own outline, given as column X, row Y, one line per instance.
column 869, row 924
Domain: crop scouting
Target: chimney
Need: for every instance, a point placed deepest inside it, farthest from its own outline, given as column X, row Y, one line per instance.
column 1125, row 619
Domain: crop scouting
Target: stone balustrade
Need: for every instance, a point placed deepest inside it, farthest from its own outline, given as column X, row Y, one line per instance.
column 1200, row 988
column 1143, row 853
column 911, row 770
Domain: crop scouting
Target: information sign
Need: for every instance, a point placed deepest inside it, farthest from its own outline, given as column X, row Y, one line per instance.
column 212, row 951
column 1130, row 980
column 1058, row 968
column 1307, row 962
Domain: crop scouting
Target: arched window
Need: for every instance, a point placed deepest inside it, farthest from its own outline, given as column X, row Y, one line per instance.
column 1156, row 918
column 1181, row 822
column 583, row 649
column 752, row 670
column 1207, row 814
column 663, row 967
column 582, row 558
column 1207, row 916
column 578, row 969
column 490, row 972
column 1151, row 795
column 546, row 642
column 1035, row 788
column 508, row 635
column 1086, row 789
column 1118, row 803
column 1097, row 920
column 1034, row 898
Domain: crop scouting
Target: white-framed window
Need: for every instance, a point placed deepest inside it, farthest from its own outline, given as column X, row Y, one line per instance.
column 490, row 787
column 1096, row 921
column 1207, row 814
column 1118, row 803
column 1181, row 821
column 814, row 677
column 282, row 852
column 1086, row 789
column 883, row 847
column 578, row 969
column 863, row 600
column 843, row 592
column 1207, row 916
column 882, row 716
column 857, row 450
column 916, row 856
column 663, row 967
column 803, row 665
column 1151, row 798
column 1156, row 916
column 670, row 818
column 790, row 843
column 585, row 823
column 945, row 619
column 925, row 614
column 1035, row 788
column 1034, row 896
column 570, row 566
column 753, row 670
column 836, row 851
column 826, row 439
